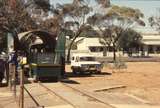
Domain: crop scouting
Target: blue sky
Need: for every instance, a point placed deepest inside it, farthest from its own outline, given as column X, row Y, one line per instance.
column 148, row 7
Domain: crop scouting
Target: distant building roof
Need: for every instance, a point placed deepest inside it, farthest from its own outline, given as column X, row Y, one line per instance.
column 151, row 39
column 148, row 39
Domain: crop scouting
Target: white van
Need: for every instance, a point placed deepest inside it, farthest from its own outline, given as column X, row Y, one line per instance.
column 85, row 63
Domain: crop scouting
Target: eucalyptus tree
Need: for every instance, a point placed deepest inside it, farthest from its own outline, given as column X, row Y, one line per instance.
column 14, row 18
column 75, row 17
column 21, row 15
column 39, row 10
column 130, row 40
column 18, row 15
column 70, row 16
column 113, row 23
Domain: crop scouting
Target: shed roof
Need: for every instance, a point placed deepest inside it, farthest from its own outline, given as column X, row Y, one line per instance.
column 47, row 38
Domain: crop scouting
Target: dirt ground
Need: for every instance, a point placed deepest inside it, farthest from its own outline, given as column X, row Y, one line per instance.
column 141, row 79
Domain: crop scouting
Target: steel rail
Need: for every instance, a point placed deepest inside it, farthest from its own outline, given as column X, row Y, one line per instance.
column 37, row 104
column 56, row 94
column 85, row 94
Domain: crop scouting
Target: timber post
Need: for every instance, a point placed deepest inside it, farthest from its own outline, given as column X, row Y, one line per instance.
column 21, row 98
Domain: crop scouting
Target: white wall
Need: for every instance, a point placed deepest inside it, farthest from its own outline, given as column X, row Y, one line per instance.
column 85, row 43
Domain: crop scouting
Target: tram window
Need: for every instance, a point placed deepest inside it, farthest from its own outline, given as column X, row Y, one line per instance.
column 32, row 50
column 92, row 49
column 42, row 51
column 36, row 50
column 96, row 49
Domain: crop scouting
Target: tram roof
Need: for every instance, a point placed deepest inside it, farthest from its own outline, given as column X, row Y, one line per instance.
column 39, row 32
column 47, row 37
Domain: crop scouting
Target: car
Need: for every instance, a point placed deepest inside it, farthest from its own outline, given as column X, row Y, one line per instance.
column 81, row 63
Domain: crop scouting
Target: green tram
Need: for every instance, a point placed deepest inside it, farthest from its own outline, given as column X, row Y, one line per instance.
column 45, row 54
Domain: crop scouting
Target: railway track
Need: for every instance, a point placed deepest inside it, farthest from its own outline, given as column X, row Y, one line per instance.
column 70, row 96
column 54, row 93
column 91, row 100
column 85, row 94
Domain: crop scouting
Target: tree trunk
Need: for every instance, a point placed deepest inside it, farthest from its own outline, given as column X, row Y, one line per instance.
column 114, row 52
column 16, row 41
column 69, row 52
column 70, row 46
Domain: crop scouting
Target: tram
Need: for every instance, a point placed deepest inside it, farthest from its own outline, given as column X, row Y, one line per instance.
column 45, row 54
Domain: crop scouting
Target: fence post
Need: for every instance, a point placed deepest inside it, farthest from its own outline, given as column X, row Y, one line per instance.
column 7, row 73
column 10, row 76
column 14, row 80
column 21, row 89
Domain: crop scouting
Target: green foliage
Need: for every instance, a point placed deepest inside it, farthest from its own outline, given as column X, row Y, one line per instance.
column 155, row 21
column 42, row 4
column 76, row 13
column 125, row 15
column 95, row 19
column 104, row 3
column 3, row 41
column 114, row 22
column 126, row 12
column 16, row 17
column 130, row 39
column 119, row 16
column 89, row 33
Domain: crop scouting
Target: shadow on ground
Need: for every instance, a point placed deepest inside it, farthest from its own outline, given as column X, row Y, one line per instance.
column 49, row 80
column 68, row 81
column 103, row 73
column 68, row 75
column 3, row 85
column 71, row 75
